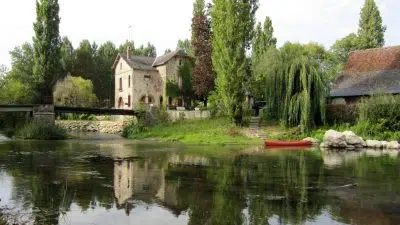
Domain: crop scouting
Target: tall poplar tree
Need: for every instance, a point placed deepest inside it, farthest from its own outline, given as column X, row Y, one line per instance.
column 203, row 75
column 263, row 38
column 371, row 30
column 232, row 25
column 47, row 43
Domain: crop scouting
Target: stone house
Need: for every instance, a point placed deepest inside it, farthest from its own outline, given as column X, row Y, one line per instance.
column 142, row 80
column 368, row 72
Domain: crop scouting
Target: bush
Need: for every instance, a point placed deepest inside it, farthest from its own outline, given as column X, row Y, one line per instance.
column 39, row 130
column 144, row 122
column 383, row 110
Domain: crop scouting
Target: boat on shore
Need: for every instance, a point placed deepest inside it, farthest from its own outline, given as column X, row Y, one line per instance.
column 287, row 143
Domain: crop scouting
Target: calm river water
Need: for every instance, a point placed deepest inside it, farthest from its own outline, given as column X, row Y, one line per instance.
column 121, row 182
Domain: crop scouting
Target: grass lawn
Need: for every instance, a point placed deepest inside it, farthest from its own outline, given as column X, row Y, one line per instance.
column 211, row 131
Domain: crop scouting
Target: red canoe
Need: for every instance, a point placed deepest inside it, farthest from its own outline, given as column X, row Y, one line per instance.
column 287, row 143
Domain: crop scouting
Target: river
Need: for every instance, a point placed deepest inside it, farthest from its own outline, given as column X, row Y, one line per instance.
column 125, row 182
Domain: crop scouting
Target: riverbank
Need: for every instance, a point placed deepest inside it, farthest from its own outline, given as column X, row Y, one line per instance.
column 210, row 131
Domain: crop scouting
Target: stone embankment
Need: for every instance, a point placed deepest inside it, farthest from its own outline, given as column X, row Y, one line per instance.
column 106, row 127
column 350, row 141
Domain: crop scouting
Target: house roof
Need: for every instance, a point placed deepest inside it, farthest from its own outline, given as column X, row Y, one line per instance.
column 165, row 58
column 148, row 63
column 369, row 72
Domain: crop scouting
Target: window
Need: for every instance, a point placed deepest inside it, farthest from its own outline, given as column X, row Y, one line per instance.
column 129, row 81
column 161, row 100
column 129, row 101
column 146, row 76
column 120, row 84
column 120, row 103
column 120, row 66
column 180, row 62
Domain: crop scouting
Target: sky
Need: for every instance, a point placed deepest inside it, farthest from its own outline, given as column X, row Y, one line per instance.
column 164, row 22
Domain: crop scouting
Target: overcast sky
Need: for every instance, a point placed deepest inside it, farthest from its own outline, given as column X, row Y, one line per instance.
column 163, row 22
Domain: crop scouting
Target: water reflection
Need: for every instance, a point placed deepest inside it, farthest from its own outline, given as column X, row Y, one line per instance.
column 122, row 183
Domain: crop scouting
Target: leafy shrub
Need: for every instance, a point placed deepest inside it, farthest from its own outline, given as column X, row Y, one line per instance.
column 144, row 122
column 382, row 110
column 40, row 130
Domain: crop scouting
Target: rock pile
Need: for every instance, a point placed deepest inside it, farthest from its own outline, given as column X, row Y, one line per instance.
column 349, row 140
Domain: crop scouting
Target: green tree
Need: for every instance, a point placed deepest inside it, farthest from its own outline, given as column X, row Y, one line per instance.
column 22, row 63
column 124, row 47
column 67, row 55
column 167, row 51
column 263, row 38
column 149, row 50
column 185, row 45
column 47, row 44
column 14, row 92
column 84, row 61
column 185, row 73
column 75, row 92
column 232, row 25
column 296, row 87
column 203, row 75
column 371, row 31
column 342, row 48
column 104, row 59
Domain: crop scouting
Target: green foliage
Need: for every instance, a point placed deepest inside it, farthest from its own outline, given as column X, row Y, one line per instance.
column 105, row 57
column 67, row 55
column 149, row 50
column 263, row 39
column 296, row 85
column 371, row 30
column 145, row 122
column 172, row 89
column 216, row 105
column 75, row 92
column 47, row 46
column 186, row 46
column 15, row 92
column 39, row 130
column 185, row 73
column 381, row 109
column 342, row 48
column 232, row 26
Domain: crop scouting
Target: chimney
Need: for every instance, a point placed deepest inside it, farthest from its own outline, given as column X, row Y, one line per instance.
column 128, row 52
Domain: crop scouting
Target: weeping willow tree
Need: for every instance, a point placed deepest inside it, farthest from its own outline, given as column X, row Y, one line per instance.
column 296, row 86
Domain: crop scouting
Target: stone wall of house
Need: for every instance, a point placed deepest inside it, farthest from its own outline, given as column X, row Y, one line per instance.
column 147, row 83
column 123, row 71
column 175, row 115
column 105, row 127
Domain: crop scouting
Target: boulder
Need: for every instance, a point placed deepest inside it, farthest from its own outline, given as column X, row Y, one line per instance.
column 393, row 145
column 374, row 144
column 335, row 139
column 314, row 141
column 322, row 146
column 353, row 140
column 384, row 144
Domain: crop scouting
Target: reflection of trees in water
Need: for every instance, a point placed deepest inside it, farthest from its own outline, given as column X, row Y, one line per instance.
column 242, row 189
column 278, row 187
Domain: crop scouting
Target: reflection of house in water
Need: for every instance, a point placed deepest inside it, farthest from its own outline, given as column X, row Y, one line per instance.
column 146, row 181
